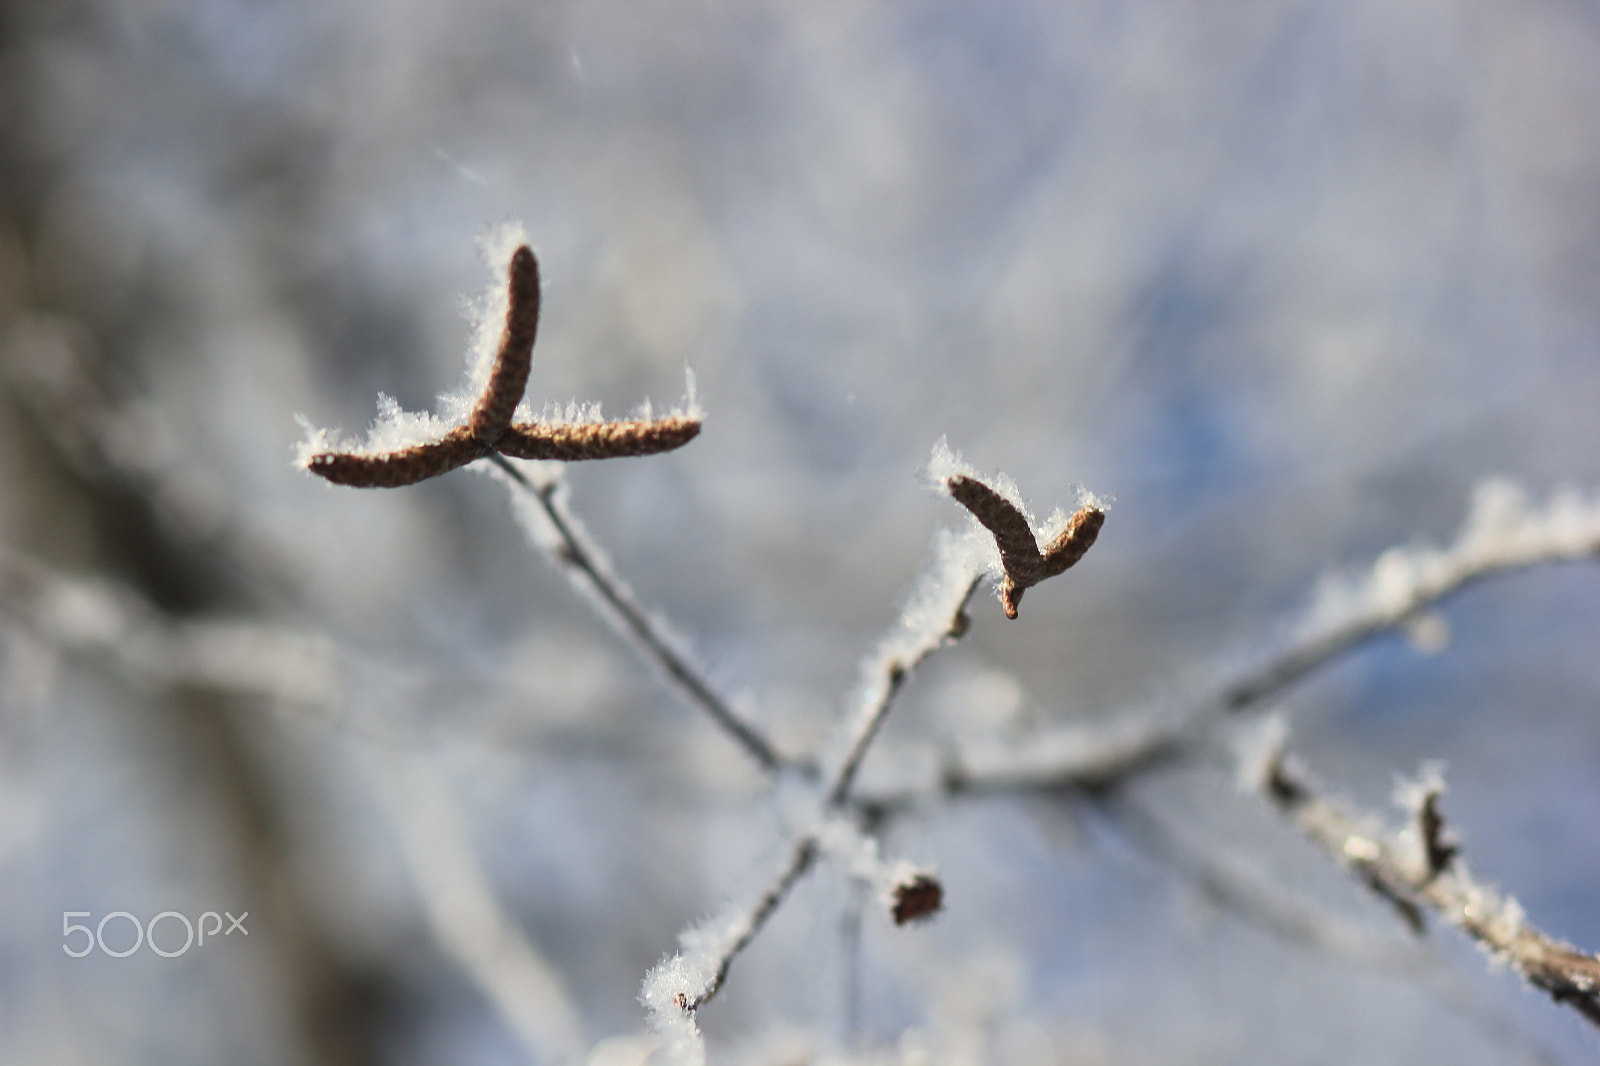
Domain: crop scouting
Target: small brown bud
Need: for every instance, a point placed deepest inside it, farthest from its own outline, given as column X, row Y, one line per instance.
column 920, row 897
column 1430, row 826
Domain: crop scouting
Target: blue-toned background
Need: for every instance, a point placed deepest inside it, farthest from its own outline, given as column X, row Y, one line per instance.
column 1284, row 279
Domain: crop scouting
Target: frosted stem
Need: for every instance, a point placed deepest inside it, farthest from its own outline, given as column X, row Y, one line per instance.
column 576, row 553
column 895, row 667
column 1400, row 871
column 1502, row 535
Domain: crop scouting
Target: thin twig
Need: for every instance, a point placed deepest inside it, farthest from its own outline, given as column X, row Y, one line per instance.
column 880, row 695
column 935, row 615
column 800, row 860
column 579, row 557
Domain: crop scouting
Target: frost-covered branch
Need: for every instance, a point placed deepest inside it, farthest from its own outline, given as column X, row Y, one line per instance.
column 111, row 624
column 683, row 983
column 1503, row 534
column 540, row 502
column 1418, row 871
column 680, row 985
column 934, row 615
column 404, row 448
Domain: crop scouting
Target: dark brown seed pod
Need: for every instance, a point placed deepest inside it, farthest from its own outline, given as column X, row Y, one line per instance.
column 920, row 897
column 1019, row 552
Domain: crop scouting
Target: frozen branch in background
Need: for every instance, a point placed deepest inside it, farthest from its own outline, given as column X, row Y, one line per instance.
column 466, row 919
column 1284, row 917
column 113, row 626
column 1503, row 534
column 109, row 623
column 1313, row 928
column 540, row 502
column 1418, row 873
column 129, row 449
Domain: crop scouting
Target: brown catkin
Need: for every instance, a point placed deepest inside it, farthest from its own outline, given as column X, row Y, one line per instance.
column 1019, row 552
column 1077, row 538
column 514, row 359
column 489, row 427
column 571, row 442
column 407, row 466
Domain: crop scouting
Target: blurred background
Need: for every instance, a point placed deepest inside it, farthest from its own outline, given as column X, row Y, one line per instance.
column 1285, row 279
